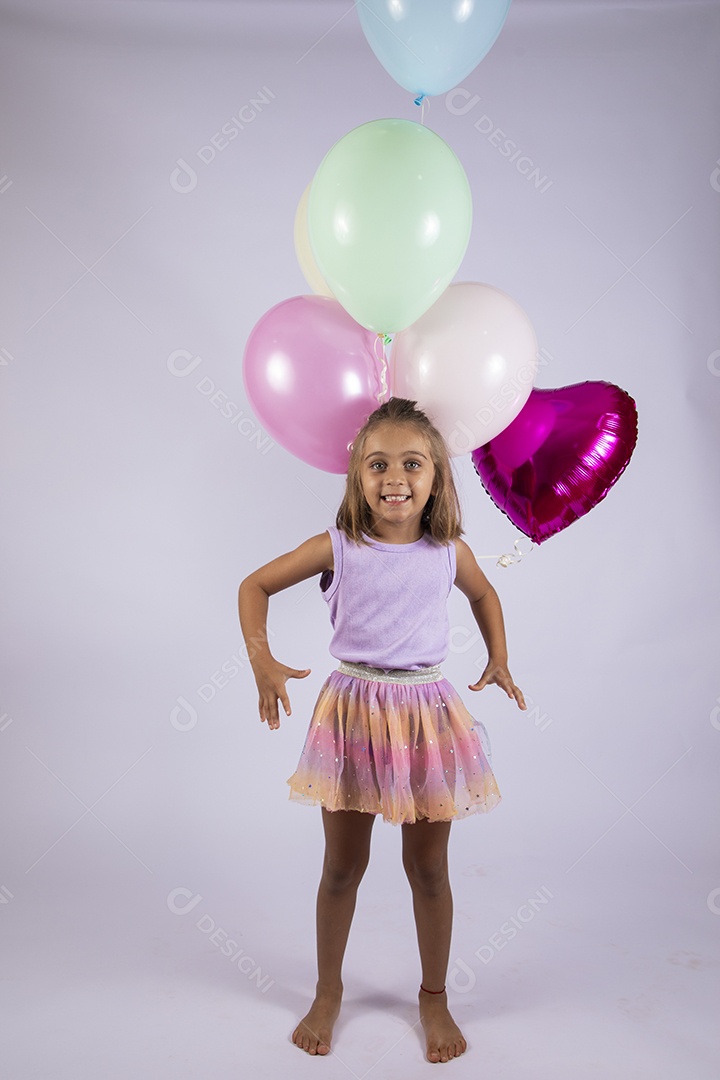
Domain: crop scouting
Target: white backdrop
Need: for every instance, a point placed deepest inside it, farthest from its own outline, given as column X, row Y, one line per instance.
column 146, row 806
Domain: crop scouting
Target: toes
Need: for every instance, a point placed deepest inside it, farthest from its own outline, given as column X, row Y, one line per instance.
column 302, row 1040
column 446, row 1053
column 309, row 1041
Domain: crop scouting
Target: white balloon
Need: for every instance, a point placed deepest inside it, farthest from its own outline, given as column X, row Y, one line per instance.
column 469, row 362
column 304, row 251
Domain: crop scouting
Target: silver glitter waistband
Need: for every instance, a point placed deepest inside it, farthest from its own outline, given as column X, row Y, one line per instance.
column 392, row 675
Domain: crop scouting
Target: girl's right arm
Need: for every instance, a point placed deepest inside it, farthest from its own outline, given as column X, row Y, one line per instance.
column 310, row 558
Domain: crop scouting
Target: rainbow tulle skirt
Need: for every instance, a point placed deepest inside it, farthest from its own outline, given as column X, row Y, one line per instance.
column 397, row 743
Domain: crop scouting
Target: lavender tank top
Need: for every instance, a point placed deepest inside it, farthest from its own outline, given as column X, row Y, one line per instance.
column 388, row 602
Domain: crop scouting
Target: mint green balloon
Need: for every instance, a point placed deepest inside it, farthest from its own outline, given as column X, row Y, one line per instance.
column 389, row 219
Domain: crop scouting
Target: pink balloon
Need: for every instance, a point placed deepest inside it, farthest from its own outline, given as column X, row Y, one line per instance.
column 312, row 378
column 560, row 456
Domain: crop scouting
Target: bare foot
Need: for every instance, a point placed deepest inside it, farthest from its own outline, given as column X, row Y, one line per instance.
column 444, row 1038
column 314, row 1032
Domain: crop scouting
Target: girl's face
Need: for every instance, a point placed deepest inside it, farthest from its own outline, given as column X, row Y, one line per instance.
column 398, row 478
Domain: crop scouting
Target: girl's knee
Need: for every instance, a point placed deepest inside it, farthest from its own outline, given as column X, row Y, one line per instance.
column 342, row 872
column 427, row 874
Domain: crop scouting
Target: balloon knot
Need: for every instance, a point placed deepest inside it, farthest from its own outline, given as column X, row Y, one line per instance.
column 419, row 100
column 514, row 557
column 509, row 557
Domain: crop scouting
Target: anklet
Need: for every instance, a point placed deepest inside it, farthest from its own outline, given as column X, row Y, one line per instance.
column 432, row 991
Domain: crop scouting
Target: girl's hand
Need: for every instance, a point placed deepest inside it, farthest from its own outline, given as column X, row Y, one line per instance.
column 271, row 677
column 498, row 673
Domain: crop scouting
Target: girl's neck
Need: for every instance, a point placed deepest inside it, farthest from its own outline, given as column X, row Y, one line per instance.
column 395, row 536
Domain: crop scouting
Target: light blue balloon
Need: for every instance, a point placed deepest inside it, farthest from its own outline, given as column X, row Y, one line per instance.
column 429, row 46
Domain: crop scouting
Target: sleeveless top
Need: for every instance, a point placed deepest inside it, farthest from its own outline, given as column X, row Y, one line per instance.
column 388, row 602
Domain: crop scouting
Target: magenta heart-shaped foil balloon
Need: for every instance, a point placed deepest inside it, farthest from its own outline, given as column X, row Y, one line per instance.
column 560, row 455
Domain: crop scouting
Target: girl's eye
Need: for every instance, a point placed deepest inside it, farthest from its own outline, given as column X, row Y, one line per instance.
column 381, row 463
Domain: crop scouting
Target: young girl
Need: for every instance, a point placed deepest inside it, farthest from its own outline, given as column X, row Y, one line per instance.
column 389, row 734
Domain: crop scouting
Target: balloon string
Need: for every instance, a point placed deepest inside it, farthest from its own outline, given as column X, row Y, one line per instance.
column 383, row 340
column 509, row 557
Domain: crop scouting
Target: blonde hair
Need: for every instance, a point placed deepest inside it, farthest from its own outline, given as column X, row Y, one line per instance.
column 442, row 516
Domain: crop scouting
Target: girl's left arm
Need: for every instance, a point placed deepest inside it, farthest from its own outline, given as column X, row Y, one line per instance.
column 486, row 609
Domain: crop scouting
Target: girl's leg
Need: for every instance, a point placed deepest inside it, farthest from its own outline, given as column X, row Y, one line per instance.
column 425, row 861
column 347, row 850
